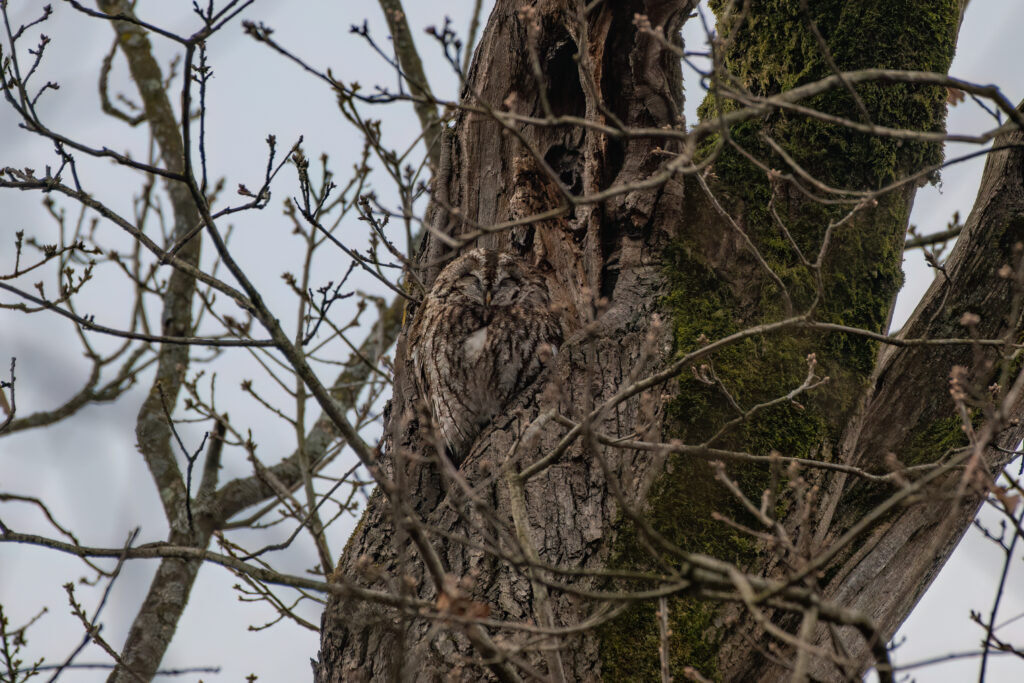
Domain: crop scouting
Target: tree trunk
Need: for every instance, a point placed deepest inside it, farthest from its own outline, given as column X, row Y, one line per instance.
column 647, row 271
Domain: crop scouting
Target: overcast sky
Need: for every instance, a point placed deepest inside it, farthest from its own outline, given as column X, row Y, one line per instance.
column 89, row 470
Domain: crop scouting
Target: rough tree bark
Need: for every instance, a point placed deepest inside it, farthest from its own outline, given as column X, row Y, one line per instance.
column 704, row 269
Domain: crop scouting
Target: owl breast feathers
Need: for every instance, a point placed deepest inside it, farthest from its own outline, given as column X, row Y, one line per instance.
column 479, row 338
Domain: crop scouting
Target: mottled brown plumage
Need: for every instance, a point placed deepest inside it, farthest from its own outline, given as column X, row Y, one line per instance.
column 478, row 340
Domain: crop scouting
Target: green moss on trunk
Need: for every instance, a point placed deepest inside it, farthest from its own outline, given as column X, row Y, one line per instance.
column 710, row 296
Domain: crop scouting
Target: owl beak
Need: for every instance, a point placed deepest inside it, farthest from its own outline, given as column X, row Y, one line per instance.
column 487, row 298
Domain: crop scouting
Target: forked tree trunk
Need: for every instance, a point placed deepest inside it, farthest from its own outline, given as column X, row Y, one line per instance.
column 653, row 252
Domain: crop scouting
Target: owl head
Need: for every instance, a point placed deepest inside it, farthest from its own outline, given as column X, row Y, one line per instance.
column 488, row 280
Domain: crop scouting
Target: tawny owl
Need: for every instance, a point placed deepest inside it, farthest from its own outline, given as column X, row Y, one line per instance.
column 479, row 338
